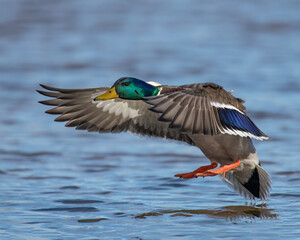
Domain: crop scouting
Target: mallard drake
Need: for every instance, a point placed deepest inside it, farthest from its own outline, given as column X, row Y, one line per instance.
column 201, row 114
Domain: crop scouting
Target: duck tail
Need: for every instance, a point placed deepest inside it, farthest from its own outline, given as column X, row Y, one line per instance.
column 251, row 181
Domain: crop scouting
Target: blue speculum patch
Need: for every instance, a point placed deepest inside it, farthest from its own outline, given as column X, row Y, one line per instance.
column 233, row 119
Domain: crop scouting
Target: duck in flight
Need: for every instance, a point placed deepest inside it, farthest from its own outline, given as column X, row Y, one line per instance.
column 201, row 114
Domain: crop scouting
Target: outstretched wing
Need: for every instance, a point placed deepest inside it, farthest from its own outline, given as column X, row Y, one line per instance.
column 78, row 108
column 204, row 109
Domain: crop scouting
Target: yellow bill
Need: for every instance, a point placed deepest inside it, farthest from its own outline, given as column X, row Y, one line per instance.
column 110, row 94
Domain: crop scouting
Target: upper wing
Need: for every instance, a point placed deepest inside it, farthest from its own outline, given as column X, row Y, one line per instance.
column 78, row 108
column 204, row 109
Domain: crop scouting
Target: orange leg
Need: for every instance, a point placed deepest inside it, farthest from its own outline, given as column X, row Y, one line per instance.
column 199, row 170
column 222, row 170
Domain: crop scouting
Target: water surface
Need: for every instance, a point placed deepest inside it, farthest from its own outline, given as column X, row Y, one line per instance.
column 58, row 183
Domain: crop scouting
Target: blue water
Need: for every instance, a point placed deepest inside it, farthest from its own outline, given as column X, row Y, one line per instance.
column 58, row 183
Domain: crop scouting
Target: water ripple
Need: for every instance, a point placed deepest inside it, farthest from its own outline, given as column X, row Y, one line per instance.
column 65, row 209
column 77, row 201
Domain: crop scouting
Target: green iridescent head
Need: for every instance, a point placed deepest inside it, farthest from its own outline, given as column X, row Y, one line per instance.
column 129, row 88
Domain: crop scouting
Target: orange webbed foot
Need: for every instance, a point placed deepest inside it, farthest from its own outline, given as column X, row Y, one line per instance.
column 193, row 174
column 222, row 170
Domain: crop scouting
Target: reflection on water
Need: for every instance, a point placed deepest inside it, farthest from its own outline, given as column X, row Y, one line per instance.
column 232, row 213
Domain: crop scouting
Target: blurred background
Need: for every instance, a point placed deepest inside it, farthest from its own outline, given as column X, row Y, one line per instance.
column 56, row 181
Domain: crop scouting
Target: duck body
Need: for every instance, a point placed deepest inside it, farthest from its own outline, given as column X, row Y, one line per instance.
column 249, row 179
column 201, row 114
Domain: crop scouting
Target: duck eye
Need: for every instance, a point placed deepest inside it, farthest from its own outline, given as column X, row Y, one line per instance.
column 125, row 84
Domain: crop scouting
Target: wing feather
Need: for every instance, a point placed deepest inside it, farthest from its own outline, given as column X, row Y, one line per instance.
column 78, row 108
column 195, row 108
column 204, row 109
column 189, row 117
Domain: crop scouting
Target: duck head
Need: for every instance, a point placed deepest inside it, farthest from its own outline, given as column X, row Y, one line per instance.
column 129, row 88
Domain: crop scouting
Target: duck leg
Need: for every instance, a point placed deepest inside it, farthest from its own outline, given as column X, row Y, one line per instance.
column 199, row 170
column 222, row 170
